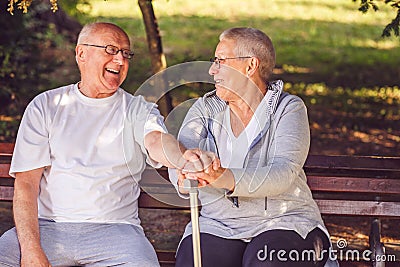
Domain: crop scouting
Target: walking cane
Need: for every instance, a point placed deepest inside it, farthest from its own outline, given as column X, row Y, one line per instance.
column 194, row 214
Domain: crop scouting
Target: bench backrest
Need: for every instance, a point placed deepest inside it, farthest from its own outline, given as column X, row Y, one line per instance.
column 341, row 185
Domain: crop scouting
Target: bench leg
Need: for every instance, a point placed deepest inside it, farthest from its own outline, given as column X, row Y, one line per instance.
column 375, row 245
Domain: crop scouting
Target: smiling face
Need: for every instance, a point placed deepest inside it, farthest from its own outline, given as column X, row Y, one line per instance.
column 230, row 79
column 102, row 73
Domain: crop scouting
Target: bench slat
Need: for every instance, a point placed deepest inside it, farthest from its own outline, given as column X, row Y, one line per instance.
column 333, row 207
column 316, row 183
column 359, row 208
column 353, row 162
column 166, row 256
column 353, row 184
column 165, row 201
column 6, row 193
column 4, row 168
column 6, row 149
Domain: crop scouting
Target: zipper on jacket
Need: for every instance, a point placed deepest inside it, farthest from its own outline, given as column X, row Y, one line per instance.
column 265, row 205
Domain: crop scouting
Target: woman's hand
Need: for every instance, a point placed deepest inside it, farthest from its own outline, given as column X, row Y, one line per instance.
column 197, row 162
column 216, row 177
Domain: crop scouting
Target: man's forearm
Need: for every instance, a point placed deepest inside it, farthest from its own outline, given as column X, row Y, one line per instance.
column 164, row 148
column 26, row 211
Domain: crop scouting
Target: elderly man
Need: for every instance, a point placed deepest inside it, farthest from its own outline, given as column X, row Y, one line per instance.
column 80, row 151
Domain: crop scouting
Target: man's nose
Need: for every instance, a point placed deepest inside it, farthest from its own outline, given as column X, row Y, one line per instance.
column 118, row 58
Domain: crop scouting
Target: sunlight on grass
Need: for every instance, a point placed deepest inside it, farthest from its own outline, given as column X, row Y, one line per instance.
column 389, row 94
column 321, row 38
column 344, row 11
column 325, row 31
column 364, row 102
column 115, row 8
column 381, row 44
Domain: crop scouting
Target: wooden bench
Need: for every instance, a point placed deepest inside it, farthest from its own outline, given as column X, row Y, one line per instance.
column 341, row 185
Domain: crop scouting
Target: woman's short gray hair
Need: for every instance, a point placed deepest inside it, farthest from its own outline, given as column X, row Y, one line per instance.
column 253, row 42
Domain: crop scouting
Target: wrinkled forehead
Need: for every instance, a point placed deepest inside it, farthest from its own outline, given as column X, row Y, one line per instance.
column 108, row 35
column 225, row 47
column 113, row 38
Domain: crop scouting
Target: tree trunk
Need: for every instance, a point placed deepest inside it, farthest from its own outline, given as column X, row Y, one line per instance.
column 158, row 61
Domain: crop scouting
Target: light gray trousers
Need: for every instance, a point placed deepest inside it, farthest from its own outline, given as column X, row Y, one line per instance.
column 85, row 244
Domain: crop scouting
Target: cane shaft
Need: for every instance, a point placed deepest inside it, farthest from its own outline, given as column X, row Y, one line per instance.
column 194, row 214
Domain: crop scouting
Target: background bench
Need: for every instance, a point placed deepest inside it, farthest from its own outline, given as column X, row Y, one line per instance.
column 341, row 185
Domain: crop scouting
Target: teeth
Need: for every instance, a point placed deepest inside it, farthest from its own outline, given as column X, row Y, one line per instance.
column 218, row 81
column 112, row 71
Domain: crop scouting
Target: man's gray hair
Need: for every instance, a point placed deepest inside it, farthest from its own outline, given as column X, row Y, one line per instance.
column 253, row 42
column 97, row 27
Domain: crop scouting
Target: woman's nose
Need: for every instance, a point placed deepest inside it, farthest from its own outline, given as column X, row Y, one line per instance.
column 213, row 69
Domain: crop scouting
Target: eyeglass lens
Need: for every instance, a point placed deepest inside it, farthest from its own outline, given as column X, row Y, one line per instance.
column 216, row 61
column 113, row 50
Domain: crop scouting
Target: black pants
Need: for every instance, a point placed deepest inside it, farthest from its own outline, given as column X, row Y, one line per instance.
column 271, row 248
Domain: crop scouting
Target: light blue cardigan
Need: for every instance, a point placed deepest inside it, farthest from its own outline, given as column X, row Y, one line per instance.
column 271, row 188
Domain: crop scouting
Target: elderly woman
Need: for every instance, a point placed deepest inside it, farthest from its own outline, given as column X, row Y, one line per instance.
column 257, row 209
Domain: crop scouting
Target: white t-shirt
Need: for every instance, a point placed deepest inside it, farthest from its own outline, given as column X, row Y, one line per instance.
column 234, row 153
column 94, row 150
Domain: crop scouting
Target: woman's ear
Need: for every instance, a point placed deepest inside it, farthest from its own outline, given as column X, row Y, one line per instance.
column 252, row 67
column 248, row 70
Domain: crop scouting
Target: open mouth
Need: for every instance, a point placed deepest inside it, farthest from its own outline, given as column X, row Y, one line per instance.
column 113, row 71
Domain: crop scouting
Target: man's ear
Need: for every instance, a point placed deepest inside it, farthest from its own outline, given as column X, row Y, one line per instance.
column 79, row 53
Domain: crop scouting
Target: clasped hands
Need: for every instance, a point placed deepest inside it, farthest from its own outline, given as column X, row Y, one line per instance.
column 205, row 167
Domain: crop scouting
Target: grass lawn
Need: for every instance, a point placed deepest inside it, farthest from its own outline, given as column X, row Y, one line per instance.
column 330, row 40
column 328, row 53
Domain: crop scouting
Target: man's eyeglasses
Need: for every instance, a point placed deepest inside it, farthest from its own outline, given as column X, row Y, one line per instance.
column 113, row 50
column 218, row 60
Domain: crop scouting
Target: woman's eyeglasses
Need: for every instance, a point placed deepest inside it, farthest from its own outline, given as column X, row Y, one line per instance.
column 217, row 61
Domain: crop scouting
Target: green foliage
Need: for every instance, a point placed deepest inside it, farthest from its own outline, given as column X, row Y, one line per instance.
column 76, row 8
column 394, row 25
column 8, row 129
column 25, row 66
column 365, row 5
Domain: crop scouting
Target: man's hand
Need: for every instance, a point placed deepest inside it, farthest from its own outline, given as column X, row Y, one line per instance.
column 34, row 258
column 196, row 160
column 164, row 148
